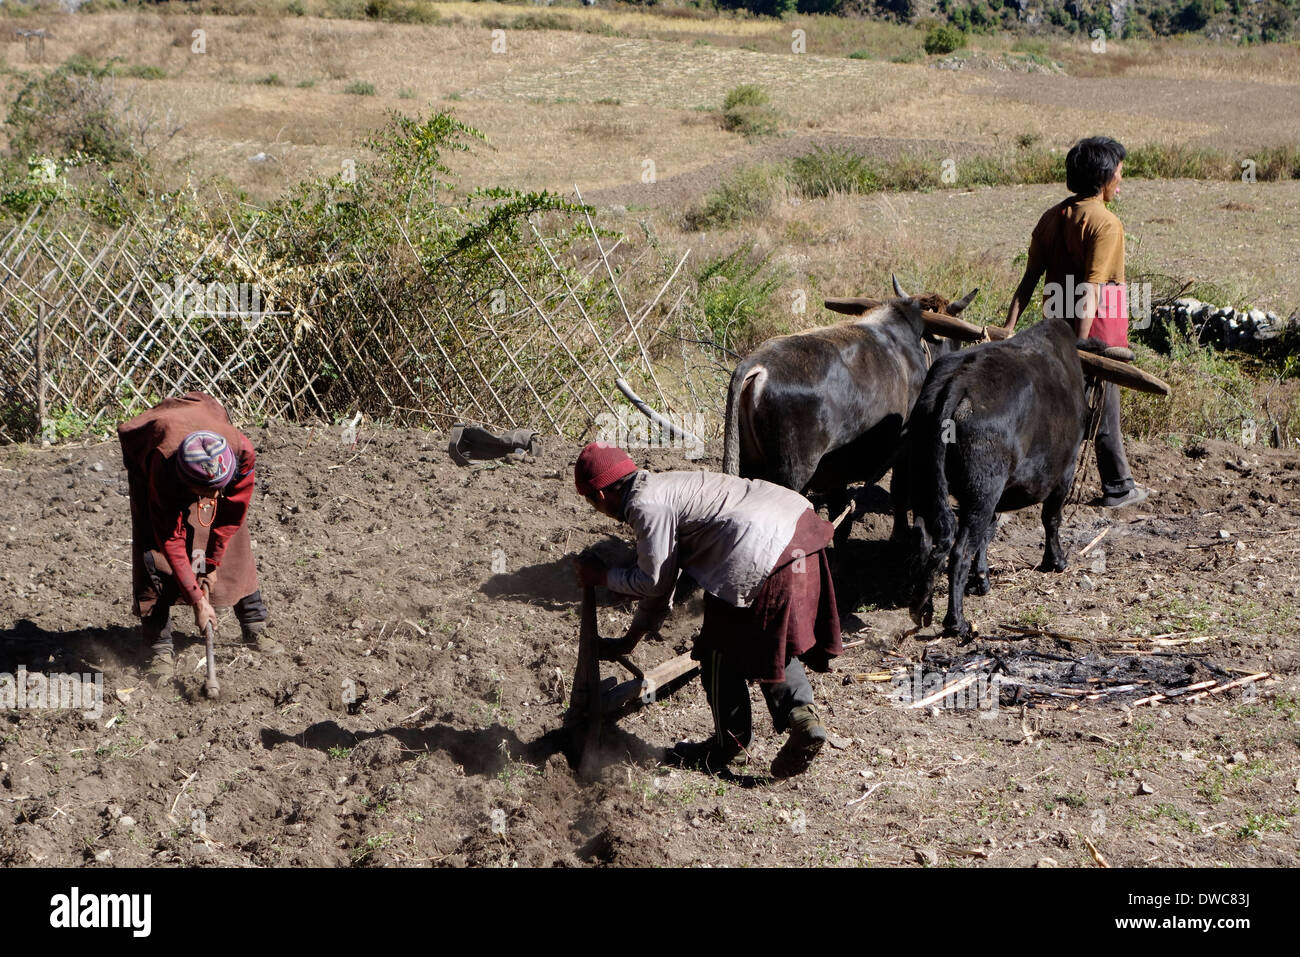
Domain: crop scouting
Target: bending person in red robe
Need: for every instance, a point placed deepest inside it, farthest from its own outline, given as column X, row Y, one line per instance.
column 191, row 477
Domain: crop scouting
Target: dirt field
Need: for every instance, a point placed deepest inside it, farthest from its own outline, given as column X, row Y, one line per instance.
column 439, row 601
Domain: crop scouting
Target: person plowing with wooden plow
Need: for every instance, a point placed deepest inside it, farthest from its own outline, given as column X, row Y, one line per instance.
column 758, row 551
column 191, row 478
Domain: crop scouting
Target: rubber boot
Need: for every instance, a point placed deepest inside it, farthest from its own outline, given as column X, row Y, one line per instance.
column 807, row 736
column 254, row 635
column 162, row 663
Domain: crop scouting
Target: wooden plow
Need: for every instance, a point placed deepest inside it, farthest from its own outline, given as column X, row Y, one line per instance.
column 596, row 701
column 1101, row 367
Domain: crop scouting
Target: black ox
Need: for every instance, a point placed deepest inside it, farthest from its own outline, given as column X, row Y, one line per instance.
column 820, row 410
column 997, row 427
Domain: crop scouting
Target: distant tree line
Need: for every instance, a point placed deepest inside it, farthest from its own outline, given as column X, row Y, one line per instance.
column 1247, row 21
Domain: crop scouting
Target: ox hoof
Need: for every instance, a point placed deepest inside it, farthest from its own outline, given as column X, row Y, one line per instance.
column 923, row 615
column 961, row 631
column 978, row 586
column 1053, row 565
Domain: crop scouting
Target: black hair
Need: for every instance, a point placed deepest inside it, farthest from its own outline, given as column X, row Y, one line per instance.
column 1091, row 164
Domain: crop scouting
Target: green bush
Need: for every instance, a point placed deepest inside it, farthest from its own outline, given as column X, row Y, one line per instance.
column 360, row 88
column 69, row 112
column 734, row 294
column 747, row 109
column 749, row 194
column 141, row 71
column 825, row 171
column 943, row 38
column 401, row 11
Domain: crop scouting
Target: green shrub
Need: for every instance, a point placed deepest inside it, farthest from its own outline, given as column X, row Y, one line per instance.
column 141, row 71
column 69, row 112
column 825, row 171
column 749, row 194
column 943, row 38
column 360, row 88
column 734, row 293
column 747, row 109
column 401, row 11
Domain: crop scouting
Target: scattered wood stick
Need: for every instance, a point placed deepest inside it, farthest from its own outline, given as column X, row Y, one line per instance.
column 1043, row 633
column 1096, row 854
column 668, row 428
column 946, row 691
column 172, row 812
column 1089, row 547
column 843, row 515
column 1237, row 683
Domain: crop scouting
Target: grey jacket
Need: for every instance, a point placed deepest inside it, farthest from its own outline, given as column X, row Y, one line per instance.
column 725, row 532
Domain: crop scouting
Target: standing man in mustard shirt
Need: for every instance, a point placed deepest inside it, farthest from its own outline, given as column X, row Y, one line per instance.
column 1078, row 245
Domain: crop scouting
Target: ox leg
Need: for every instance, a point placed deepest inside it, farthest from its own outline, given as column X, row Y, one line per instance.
column 972, row 528
column 979, row 584
column 1053, row 554
column 898, row 496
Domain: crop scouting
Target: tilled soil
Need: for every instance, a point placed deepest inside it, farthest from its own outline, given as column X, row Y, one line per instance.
column 430, row 623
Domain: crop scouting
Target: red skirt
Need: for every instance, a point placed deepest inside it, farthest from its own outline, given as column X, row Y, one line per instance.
column 792, row 614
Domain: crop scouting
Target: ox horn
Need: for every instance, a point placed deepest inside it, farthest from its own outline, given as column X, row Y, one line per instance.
column 956, row 307
column 898, row 289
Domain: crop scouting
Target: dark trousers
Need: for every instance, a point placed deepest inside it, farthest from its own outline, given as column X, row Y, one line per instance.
column 156, row 626
column 728, row 695
column 1112, row 463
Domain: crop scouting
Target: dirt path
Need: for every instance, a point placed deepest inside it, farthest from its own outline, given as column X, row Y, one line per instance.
column 431, row 625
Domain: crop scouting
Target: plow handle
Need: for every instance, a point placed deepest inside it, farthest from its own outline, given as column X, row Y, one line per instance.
column 210, row 685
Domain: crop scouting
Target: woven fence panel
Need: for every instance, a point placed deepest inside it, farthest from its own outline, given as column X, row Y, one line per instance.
column 98, row 325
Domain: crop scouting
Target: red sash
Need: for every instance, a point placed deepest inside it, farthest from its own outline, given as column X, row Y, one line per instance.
column 1110, row 325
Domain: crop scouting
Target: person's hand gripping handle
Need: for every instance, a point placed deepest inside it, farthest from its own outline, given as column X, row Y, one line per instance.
column 206, row 618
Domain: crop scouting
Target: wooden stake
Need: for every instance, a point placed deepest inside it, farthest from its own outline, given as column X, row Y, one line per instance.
column 40, row 373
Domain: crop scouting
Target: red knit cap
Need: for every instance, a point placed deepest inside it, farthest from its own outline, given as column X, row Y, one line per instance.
column 599, row 466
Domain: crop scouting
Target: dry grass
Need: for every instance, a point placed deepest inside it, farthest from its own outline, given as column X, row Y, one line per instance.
column 540, row 104
column 534, row 101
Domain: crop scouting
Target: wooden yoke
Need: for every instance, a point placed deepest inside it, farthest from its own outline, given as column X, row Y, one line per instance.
column 950, row 327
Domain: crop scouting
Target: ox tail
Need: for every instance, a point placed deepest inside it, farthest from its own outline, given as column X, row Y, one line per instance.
column 742, row 396
column 934, row 530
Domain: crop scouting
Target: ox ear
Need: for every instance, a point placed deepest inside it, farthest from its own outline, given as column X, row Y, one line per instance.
column 955, row 308
column 898, row 287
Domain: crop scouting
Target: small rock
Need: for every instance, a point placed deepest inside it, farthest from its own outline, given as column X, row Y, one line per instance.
column 1144, row 788
column 1046, row 862
column 97, row 467
column 104, row 856
column 126, row 822
column 927, row 857
column 1238, row 757
column 114, row 811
